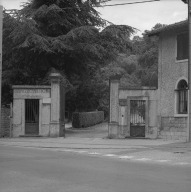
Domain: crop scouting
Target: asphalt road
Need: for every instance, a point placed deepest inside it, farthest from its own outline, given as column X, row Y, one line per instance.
column 35, row 170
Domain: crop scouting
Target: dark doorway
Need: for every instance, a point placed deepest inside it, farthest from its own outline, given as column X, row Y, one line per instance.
column 137, row 118
column 32, row 116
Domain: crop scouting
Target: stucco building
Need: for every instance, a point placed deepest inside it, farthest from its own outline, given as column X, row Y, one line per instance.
column 173, row 80
column 165, row 107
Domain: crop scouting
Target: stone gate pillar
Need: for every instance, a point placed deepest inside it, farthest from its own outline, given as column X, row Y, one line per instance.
column 55, row 124
column 114, row 107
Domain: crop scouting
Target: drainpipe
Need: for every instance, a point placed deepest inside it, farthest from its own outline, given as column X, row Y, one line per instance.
column 189, row 73
column 1, row 37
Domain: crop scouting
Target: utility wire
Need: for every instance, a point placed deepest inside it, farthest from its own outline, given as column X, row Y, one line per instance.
column 127, row 3
column 150, row 1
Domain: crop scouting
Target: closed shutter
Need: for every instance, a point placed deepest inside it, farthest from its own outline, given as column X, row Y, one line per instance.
column 182, row 46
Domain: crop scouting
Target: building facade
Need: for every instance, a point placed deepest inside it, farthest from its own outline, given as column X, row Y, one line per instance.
column 173, row 80
column 167, row 105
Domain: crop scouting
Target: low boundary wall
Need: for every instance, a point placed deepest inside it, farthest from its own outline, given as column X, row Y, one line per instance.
column 5, row 121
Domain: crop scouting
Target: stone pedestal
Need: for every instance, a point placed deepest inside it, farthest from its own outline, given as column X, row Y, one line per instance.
column 113, row 130
column 114, row 107
column 55, row 125
column 55, row 129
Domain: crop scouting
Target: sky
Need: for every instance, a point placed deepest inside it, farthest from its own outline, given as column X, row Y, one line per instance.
column 142, row 16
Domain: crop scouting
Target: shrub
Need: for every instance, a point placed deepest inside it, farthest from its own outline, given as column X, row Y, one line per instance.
column 86, row 119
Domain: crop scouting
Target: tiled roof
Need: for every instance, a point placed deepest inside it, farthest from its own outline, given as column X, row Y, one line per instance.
column 168, row 27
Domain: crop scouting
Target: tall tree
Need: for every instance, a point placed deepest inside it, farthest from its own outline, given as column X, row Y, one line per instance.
column 64, row 35
column 146, row 49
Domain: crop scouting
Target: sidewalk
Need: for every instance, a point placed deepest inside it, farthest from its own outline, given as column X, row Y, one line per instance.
column 81, row 143
column 92, row 142
column 157, row 151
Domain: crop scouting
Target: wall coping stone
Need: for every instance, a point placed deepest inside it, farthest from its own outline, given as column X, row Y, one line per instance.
column 55, row 75
column 115, row 77
column 137, row 88
column 31, row 87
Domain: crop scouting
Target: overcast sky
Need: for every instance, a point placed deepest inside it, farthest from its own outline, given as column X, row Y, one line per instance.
column 141, row 16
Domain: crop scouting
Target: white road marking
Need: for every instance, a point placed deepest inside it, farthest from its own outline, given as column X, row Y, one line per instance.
column 161, row 161
column 110, row 155
column 94, row 153
column 143, row 159
column 81, row 151
column 126, row 157
column 66, row 150
column 183, row 163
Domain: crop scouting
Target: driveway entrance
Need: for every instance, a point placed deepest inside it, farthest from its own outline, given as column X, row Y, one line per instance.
column 96, row 131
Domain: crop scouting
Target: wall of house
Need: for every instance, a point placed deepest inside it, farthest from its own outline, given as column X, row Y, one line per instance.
column 170, row 71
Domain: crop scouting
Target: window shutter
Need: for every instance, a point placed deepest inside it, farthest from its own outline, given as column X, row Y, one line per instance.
column 182, row 46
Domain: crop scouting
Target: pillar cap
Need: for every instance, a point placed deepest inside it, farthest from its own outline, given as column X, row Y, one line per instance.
column 55, row 76
column 115, row 77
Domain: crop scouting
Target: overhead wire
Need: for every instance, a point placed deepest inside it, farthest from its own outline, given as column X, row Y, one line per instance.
column 117, row 4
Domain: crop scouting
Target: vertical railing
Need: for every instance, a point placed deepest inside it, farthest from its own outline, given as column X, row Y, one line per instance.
column 32, row 111
column 137, row 111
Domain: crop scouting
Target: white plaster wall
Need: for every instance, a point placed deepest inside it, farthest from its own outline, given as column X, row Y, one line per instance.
column 114, row 102
column 152, row 94
column 55, row 102
column 153, row 113
column 123, row 115
column 45, row 128
column 18, row 121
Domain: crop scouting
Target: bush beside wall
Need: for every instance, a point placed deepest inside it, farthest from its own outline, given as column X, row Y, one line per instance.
column 87, row 119
column 5, row 122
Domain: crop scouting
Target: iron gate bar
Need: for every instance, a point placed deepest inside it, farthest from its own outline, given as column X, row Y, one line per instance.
column 31, row 110
column 31, row 116
column 137, row 118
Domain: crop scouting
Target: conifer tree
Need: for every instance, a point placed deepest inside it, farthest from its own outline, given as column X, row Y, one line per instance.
column 67, row 35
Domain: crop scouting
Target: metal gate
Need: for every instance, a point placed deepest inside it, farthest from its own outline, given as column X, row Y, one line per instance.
column 137, row 118
column 32, row 116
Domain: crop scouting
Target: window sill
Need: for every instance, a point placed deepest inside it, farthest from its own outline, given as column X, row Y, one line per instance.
column 180, row 115
column 181, row 61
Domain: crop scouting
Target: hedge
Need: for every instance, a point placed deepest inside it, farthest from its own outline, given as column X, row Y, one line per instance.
column 86, row 119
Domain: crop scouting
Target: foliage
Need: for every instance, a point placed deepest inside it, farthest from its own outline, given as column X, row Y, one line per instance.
column 146, row 49
column 64, row 35
column 69, row 36
column 87, row 119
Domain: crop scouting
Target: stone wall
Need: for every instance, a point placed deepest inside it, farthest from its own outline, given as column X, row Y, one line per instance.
column 173, row 128
column 120, row 116
column 5, row 122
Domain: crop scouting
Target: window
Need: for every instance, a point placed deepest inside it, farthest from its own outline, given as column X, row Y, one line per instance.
column 182, row 46
column 182, row 97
